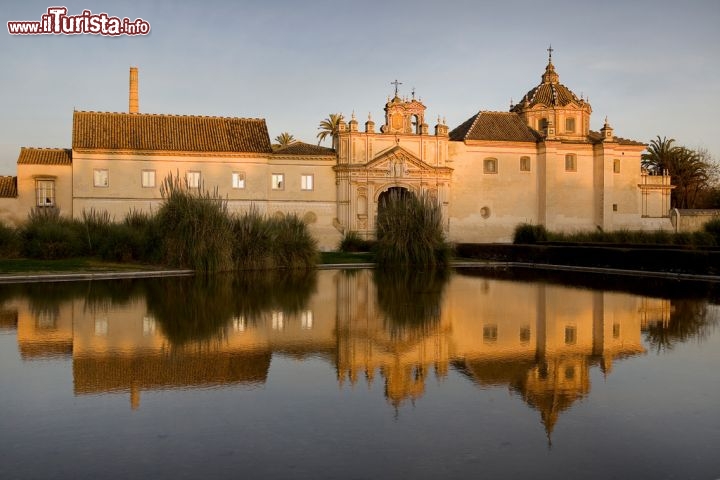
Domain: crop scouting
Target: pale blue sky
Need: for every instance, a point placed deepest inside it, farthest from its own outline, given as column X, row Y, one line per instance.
column 653, row 67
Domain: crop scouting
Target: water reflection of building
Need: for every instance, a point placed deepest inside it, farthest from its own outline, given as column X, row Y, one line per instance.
column 538, row 340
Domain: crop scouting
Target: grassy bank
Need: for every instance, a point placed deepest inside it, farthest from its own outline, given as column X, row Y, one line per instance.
column 191, row 230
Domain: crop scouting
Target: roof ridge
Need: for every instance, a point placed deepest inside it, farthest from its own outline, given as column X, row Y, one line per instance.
column 169, row 115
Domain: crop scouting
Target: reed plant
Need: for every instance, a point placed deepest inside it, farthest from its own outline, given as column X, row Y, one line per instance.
column 196, row 228
column 410, row 232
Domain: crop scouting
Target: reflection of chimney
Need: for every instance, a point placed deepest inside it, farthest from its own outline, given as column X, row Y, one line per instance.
column 134, row 90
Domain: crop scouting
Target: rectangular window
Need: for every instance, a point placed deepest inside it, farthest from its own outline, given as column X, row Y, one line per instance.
column 306, row 182
column 238, row 180
column 490, row 333
column 525, row 334
column 306, row 320
column 45, row 193
column 148, row 178
column 570, row 125
column 100, row 178
column 616, row 330
column 278, row 181
column 490, row 165
column 193, row 179
column 616, row 165
column 570, row 163
column 614, row 207
column 570, row 335
column 524, row 164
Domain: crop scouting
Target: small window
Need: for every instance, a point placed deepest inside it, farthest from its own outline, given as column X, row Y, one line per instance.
column 525, row 334
column 45, row 193
column 616, row 330
column 570, row 162
column 148, row 178
column 100, row 178
column 238, row 180
column 490, row 165
column 306, row 320
column 569, row 372
column 570, row 125
column 193, row 179
column 615, row 207
column 490, row 333
column 570, row 335
column 524, row 164
column 616, row 165
column 306, row 182
column 542, row 124
column 278, row 181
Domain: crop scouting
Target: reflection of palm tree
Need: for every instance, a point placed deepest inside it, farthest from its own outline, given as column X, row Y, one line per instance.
column 330, row 126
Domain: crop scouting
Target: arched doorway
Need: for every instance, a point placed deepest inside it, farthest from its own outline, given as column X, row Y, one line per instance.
column 400, row 193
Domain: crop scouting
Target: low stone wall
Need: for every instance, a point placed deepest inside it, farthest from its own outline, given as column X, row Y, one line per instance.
column 691, row 220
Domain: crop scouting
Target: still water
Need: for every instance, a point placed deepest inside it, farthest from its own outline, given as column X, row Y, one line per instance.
column 363, row 375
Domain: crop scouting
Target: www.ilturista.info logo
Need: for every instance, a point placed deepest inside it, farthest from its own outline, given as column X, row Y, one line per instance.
column 57, row 22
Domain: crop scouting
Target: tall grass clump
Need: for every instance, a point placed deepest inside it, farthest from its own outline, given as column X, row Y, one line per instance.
column 292, row 245
column 410, row 232
column 526, row 233
column 9, row 242
column 196, row 228
column 260, row 242
column 251, row 241
column 48, row 235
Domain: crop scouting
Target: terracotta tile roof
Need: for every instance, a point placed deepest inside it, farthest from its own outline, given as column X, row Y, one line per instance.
column 106, row 373
column 596, row 137
column 503, row 126
column 178, row 133
column 45, row 156
column 302, row 148
column 8, row 187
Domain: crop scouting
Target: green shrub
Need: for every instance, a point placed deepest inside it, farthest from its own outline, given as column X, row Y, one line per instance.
column 410, row 232
column 713, row 228
column 47, row 235
column 353, row 242
column 526, row 233
column 9, row 241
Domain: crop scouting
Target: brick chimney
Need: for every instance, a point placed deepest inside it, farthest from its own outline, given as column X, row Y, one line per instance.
column 134, row 108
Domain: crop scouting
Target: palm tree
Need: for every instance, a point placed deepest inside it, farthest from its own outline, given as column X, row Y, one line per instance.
column 284, row 139
column 659, row 155
column 689, row 171
column 330, row 126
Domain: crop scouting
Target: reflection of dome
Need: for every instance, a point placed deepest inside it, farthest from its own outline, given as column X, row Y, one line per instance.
column 549, row 93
